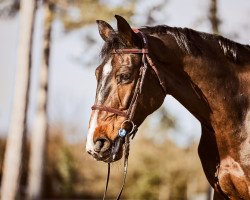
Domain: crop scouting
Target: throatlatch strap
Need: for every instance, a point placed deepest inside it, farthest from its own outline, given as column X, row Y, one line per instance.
column 151, row 63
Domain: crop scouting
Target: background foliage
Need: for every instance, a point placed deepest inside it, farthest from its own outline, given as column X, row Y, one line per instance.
column 156, row 171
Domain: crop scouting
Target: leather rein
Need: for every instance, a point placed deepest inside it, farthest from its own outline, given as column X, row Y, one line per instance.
column 129, row 114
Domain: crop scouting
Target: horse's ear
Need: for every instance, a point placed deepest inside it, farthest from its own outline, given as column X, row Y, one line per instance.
column 105, row 30
column 125, row 31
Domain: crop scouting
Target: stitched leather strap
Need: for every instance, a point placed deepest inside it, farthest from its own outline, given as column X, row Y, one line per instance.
column 151, row 63
column 109, row 109
column 127, row 51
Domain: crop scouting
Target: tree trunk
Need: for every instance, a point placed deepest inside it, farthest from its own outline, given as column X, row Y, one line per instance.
column 39, row 133
column 17, row 133
column 213, row 17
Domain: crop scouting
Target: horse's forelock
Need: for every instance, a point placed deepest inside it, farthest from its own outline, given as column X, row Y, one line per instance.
column 113, row 43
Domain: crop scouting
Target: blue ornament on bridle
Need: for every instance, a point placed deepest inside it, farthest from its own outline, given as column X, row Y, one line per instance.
column 122, row 132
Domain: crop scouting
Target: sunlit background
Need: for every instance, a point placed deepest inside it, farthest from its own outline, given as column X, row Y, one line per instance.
column 163, row 162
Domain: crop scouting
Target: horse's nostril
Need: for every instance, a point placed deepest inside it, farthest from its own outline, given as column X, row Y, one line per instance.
column 89, row 152
column 101, row 144
column 98, row 145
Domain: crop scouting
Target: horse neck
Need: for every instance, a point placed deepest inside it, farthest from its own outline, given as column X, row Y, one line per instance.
column 209, row 87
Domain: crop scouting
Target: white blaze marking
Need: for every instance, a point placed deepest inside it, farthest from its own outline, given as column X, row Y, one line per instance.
column 107, row 68
column 90, row 136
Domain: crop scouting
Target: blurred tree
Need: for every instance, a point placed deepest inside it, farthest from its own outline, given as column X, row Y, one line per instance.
column 17, row 133
column 40, row 129
column 2, row 149
column 213, row 16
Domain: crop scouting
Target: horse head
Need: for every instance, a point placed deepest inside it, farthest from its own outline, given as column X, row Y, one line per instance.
column 126, row 94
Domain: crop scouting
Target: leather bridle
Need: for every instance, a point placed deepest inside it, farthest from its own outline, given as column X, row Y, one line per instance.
column 129, row 114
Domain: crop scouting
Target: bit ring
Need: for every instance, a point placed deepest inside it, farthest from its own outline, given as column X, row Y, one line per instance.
column 132, row 123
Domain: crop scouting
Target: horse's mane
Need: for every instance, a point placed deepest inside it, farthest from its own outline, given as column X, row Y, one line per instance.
column 188, row 41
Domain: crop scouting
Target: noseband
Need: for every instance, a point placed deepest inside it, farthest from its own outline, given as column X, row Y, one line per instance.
column 129, row 114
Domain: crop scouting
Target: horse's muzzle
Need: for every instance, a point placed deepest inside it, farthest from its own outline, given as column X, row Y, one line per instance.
column 107, row 151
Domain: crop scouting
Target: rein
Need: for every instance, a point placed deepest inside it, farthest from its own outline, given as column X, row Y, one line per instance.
column 129, row 114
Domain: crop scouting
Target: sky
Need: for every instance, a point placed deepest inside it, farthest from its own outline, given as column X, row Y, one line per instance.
column 74, row 59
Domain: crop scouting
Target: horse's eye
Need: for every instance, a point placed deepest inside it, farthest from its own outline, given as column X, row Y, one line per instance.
column 123, row 78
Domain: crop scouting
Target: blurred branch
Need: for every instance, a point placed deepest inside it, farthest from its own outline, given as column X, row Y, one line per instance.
column 77, row 13
column 150, row 16
column 167, row 121
column 9, row 8
column 213, row 17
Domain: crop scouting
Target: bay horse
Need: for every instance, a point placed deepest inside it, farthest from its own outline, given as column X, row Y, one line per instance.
column 206, row 73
